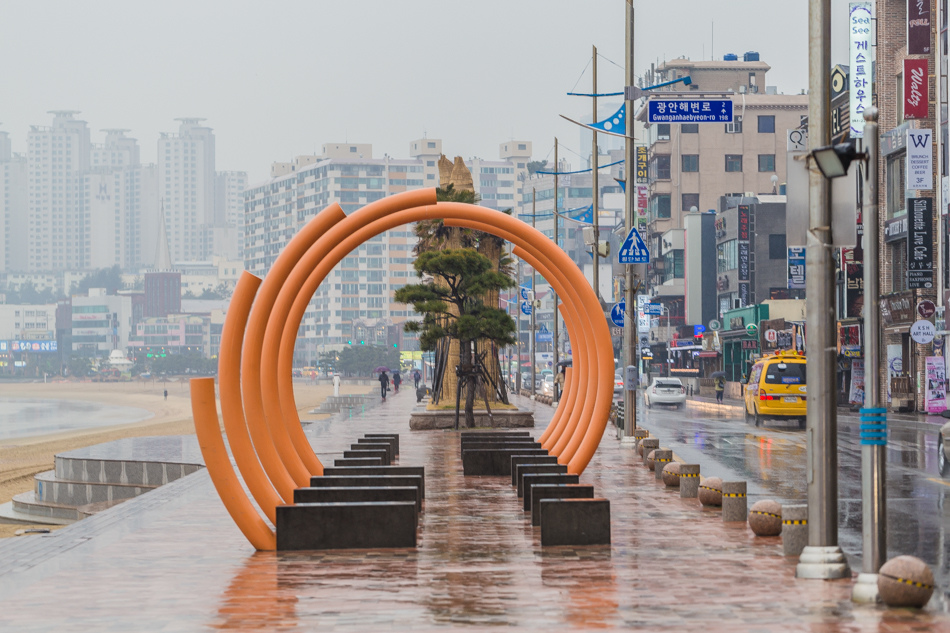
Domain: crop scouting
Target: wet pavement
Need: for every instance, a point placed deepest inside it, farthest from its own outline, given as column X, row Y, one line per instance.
column 172, row 560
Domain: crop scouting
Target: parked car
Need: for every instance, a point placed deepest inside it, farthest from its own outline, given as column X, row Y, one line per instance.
column 668, row 391
column 943, row 449
column 547, row 385
column 618, row 383
column 776, row 388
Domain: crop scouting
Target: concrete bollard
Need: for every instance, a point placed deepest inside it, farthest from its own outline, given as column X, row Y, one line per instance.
column 671, row 475
column 689, row 481
column 794, row 529
column 661, row 457
column 734, row 503
column 710, row 491
column 905, row 581
column 646, row 445
column 640, row 434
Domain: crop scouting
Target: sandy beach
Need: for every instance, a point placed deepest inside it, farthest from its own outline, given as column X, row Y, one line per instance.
column 21, row 458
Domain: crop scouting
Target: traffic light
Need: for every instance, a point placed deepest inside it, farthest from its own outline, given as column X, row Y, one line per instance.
column 362, row 342
column 396, row 345
column 349, row 342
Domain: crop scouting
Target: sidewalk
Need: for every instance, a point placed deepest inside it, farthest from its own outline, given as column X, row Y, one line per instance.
column 172, row 560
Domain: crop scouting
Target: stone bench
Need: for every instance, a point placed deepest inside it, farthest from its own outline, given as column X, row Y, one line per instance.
column 357, row 525
column 493, row 461
column 473, row 445
column 533, row 469
column 370, row 481
column 528, row 459
column 394, row 436
column 368, row 445
column 358, row 461
column 539, row 492
column 365, row 452
column 349, row 494
column 418, row 471
column 575, row 522
column 531, row 479
column 465, row 434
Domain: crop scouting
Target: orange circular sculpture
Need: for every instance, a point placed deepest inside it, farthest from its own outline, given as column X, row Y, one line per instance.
column 256, row 360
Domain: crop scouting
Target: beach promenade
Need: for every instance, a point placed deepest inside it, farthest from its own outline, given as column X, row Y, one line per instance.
column 172, row 560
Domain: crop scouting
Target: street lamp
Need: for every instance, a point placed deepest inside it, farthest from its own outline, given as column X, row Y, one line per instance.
column 833, row 160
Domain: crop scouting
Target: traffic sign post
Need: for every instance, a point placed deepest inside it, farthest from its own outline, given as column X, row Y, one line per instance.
column 634, row 250
column 690, row 111
column 617, row 313
column 525, row 308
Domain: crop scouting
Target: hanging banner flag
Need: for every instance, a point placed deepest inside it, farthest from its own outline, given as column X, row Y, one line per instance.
column 615, row 123
column 920, row 159
column 856, row 393
column 860, row 70
column 918, row 27
column 916, row 89
column 935, row 394
column 920, row 243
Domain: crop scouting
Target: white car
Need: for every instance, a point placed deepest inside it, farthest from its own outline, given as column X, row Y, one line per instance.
column 547, row 385
column 618, row 383
column 669, row 391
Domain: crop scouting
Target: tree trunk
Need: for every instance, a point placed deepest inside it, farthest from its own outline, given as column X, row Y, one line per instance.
column 449, row 380
column 466, row 366
column 491, row 248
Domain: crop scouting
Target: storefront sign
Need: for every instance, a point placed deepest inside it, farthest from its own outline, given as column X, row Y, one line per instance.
column 895, row 229
column 922, row 331
column 916, row 88
column 920, row 242
column 47, row 347
column 897, row 309
column 641, row 164
column 854, row 284
column 750, row 345
column 737, row 323
column 745, row 297
column 860, row 88
column 935, row 393
column 918, row 27
column 856, row 393
column 796, row 267
column 926, row 309
column 920, row 159
column 744, row 260
column 743, row 215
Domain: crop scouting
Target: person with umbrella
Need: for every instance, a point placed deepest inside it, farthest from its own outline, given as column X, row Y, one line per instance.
column 720, row 378
column 383, row 381
column 397, row 380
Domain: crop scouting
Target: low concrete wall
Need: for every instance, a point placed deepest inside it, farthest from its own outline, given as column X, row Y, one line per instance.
column 422, row 420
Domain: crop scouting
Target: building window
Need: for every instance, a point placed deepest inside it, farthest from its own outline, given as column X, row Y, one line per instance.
column 777, row 246
column 766, row 162
column 660, row 167
column 726, row 256
column 899, row 272
column 660, row 206
column 895, row 186
column 767, row 124
column 733, row 162
column 689, row 128
column 430, row 145
column 662, row 131
column 735, row 127
column 690, row 162
column 522, row 146
column 690, row 200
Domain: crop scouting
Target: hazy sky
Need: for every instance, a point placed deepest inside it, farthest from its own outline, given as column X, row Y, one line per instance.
column 277, row 79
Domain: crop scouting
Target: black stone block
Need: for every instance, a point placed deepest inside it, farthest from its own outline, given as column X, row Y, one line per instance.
column 493, row 461
column 465, row 434
column 419, row 471
column 371, row 481
column 365, row 445
column 381, row 453
column 575, row 522
column 394, row 436
column 358, row 493
column 467, row 446
column 528, row 459
column 369, row 525
column 540, row 492
column 534, row 469
column 530, row 479
column 358, row 461
column 392, row 441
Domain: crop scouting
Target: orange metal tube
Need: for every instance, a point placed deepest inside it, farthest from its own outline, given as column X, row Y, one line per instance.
column 286, row 424
column 232, row 410
column 242, row 511
column 278, row 356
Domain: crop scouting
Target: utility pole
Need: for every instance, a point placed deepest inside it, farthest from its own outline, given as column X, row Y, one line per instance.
column 534, row 221
column 873, row 414
column 822, row 557
column 517, row 381
column 632, row 273
column 557, row 242
column 595, row 188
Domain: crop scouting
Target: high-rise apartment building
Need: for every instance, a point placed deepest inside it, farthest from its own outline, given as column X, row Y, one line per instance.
column 14, row 210
column 57, row 157
column 356, row 300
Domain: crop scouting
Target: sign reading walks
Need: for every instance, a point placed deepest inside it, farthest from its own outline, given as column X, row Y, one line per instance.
column 633, row 250
column 920, row 159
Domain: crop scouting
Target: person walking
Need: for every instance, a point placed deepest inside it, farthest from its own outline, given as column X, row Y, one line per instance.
column 559, row 384
column 720, row 388
column 166, row 394
column 397, row 380
column 416, row 377
column 383, row 384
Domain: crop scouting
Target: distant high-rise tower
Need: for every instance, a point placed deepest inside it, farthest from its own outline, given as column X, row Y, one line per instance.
column 162, row 284
column 14, row 211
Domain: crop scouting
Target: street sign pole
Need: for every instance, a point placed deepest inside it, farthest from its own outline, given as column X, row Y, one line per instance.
column 630, row 334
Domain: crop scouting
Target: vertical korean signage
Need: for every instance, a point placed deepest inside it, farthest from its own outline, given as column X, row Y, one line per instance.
column 920, row 160
column 744, row 255
column 853, row 269
column 796, row 267
column 918, row 27
column 920, row 243
column 916, row 89
column 860, row 88
column 641, row 187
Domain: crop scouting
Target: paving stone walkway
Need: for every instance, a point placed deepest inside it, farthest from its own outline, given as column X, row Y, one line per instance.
column 172, row 560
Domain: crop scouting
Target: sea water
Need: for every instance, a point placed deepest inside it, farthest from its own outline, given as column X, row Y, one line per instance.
column 23, row 417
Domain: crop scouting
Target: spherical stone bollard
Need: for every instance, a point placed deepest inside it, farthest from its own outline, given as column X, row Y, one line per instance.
column 651, row 461
column 710, row 491
column 661, row 457
column 648, row 445
column 765, row 518
column 905, row 581
column 671, row 475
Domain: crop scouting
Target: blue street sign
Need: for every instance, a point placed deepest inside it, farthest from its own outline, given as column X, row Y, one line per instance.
column 690, row 111
column 544, row 334
column 633, row 250
column 525, row 308
column 524, row 293
column 617, row 313
column 654, row 309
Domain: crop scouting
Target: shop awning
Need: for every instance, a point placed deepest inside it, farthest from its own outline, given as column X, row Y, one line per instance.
column 707, row 354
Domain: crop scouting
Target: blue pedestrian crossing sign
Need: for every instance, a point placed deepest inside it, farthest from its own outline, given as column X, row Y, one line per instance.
column 617, row 312
column 633, row 250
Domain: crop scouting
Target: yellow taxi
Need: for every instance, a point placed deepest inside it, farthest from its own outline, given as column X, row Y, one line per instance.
column 777, row 388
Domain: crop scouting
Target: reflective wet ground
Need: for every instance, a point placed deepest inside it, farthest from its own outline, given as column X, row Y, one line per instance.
column 23, row 417
column 171, row 560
